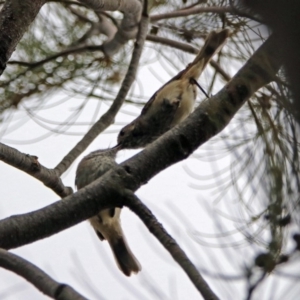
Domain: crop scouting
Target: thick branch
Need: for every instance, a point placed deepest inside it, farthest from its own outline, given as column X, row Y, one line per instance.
column 69, row 2
column 37, row 277
column 23, row 229
column 108, row 118
column 282, row 17
column 170, row 244
column 208, row 119
column 15, row 17
column 78, row 49
column 30, row 165
column 128, row 27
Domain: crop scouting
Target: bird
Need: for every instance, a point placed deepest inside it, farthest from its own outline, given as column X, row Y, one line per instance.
column 173, row 102
column 107, row 223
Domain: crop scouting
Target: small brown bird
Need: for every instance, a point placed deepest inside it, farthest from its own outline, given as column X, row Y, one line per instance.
column 173, row 102
column 107, row 223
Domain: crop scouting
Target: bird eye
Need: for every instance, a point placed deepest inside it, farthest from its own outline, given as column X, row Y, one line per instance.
column 122, row 132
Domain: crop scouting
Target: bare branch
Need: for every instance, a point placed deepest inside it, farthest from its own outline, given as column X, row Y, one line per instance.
column 170, row 244
column 23, row 229
column 153, row 38
column 172, row 43
column 15, row 17
column 63, row 53
column 199, row 10
column 127, row 30
column 191, row 11
column 128, row 27
column 30, row 165
column 252, row 288
column 108, row 118
column 209, row 118
column 102, row 27
column 106, row 25
column 68, row 2
column 37, row 277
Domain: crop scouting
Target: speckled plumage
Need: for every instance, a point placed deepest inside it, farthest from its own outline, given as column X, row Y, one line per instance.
column 107, row 222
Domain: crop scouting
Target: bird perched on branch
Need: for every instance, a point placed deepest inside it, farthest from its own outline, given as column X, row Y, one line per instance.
column 173, row 102
column 107, row 223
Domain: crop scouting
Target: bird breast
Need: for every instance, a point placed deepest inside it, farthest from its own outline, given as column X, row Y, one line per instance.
column 187, row 97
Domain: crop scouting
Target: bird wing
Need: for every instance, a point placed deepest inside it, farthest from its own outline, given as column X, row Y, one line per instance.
column 148, row 104
column 213, row 43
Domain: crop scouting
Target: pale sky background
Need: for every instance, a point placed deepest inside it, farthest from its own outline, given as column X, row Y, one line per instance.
column 76, row 256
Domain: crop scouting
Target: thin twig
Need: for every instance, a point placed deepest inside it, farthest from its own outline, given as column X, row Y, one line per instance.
column 187, row 48
column 200, row 87
column 194, row 4
column 30, row 165
column 37, row 277
column 153, row 38
column 63, row 53
column 169, row 243
column 190, row 12
column 198, row 10
column 69, row 2
column 255, row 285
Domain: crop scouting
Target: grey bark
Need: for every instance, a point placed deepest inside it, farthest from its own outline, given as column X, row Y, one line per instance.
column 128, row 27
column 37, row 277
column 15, row 18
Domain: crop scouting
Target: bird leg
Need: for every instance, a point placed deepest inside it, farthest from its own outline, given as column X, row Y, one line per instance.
column 194, row 81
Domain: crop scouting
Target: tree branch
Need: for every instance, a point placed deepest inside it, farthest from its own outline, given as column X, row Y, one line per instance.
column 170, row 244
column 37, row 277
column 199, row 10
column 30, row 165
column 15, row 18
column 63, row 53
column 128, row 27
column 150, row 37
column 108, row 118
column 191, row 11
column 282, row 17
column 209, row 118
column 68, row 2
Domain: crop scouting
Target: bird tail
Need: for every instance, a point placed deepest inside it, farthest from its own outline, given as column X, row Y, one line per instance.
column 214, row 42
column 125, row 259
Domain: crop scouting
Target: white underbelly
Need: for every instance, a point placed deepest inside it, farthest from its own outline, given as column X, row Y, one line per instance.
column 186, row 106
